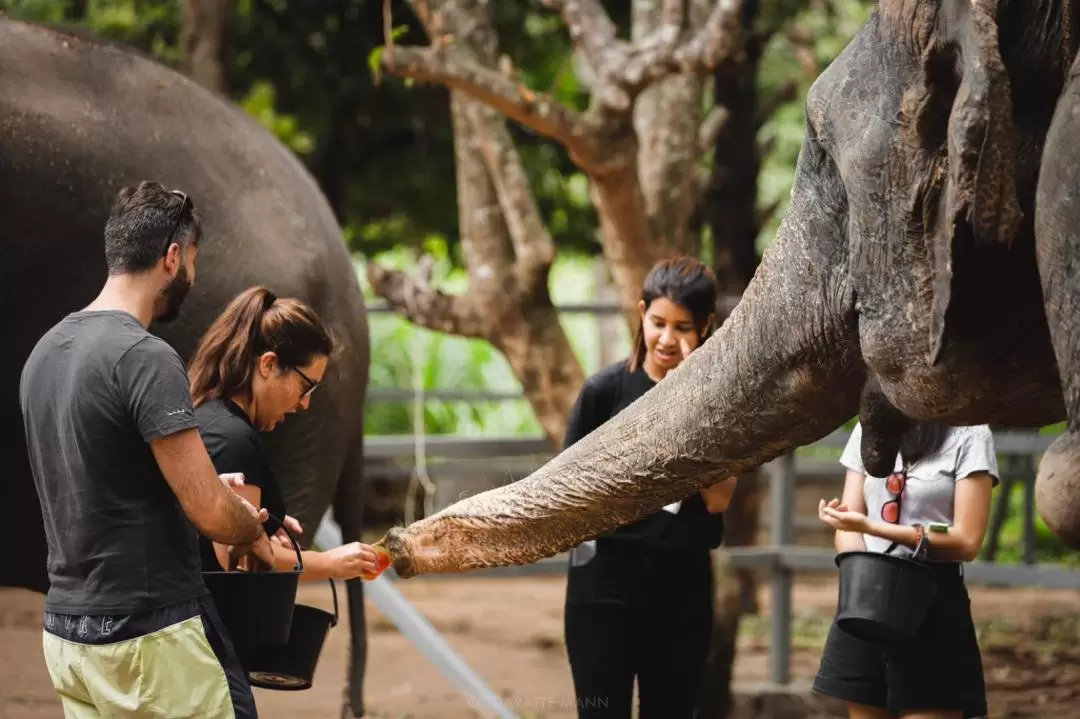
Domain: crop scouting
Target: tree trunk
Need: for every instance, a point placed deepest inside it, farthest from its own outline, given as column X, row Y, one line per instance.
column 607, row 329
column 730, row 209
column 507, row 249
column 205, row 42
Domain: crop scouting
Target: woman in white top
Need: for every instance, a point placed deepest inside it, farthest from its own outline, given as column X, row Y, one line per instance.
column 940, row 492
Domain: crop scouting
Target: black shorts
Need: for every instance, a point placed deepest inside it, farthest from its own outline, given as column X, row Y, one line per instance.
column 940, row 669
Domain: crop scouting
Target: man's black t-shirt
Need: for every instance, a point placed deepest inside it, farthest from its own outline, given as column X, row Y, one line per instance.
column 95, row 391
column 604, row 395
column 234, row 446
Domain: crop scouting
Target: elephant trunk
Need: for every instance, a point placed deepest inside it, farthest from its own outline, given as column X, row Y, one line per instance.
column 783, row 370
column 1057, row 214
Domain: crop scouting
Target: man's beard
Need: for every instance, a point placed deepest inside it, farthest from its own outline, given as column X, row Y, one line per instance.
column 172, row 297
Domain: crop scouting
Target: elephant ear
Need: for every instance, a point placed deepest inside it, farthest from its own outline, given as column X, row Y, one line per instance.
column 981, row 190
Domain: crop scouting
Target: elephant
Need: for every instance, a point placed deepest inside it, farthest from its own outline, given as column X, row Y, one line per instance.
column 81, row 117
column 903, row 284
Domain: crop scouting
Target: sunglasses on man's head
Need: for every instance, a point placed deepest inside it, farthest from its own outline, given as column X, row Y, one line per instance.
column 185, row 201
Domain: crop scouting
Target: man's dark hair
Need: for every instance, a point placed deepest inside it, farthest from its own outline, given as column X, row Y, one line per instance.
column 143, row 222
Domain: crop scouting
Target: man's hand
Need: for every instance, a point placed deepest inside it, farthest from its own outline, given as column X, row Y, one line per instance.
column 261, row 514
column 255, row 557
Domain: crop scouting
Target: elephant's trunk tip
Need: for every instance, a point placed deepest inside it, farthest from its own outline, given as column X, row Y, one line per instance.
column 400, row 553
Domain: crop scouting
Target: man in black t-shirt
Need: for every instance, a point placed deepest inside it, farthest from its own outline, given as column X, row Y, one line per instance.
column 126, row 484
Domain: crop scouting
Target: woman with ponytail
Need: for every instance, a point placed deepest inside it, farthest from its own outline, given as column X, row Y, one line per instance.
column 260, row 361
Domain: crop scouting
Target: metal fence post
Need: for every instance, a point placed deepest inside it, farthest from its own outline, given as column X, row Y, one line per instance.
column 782, row 499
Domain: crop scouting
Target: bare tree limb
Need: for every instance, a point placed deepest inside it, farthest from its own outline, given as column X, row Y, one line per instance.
column 424, row 306
column 711, row 127
column 204, row 38
column 534, row 250
column 672, row 13
column 591, row 30
column 802, row 46
column 718, row 40
column 624, row 70
column 457, row 70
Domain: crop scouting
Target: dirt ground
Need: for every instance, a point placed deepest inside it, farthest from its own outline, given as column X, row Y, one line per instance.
column 510, row 631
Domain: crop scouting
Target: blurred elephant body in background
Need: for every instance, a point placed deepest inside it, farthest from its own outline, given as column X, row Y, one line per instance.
column 79, row 119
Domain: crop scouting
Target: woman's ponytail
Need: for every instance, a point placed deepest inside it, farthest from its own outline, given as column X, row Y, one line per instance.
column 224, row 360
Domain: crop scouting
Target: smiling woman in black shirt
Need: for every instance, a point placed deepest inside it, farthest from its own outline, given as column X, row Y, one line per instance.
column 260, row 361
column 639, row 599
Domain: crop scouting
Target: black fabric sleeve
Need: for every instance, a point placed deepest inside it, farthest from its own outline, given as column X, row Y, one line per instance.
column 237, row 452
column 592, row 409
column 154, row 385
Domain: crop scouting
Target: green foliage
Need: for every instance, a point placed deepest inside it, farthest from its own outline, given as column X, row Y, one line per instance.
column 259, row 103
column 1048, row 548
column 831, row 24
column 376, row 55
column 467, row 364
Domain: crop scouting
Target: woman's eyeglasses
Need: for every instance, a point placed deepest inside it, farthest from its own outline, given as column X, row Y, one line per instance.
column 894, row 484
column 308, row 382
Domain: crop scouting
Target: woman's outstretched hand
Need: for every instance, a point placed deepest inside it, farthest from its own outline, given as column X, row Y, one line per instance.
column 840, row 518
column 357, row 560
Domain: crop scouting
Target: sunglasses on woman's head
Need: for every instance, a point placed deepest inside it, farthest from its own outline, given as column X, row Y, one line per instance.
column 894, row 484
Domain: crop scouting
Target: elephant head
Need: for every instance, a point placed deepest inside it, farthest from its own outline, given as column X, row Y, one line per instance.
column 914, row 190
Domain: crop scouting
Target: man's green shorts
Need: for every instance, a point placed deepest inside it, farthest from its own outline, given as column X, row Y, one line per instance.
column 172, row 662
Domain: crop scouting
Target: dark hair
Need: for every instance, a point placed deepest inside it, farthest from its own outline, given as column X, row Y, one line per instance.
column 922, row 440
column 143, row 222
column 687, row 282
column 254, row 322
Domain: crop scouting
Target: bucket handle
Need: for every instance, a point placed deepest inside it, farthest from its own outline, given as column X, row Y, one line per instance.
column 299, row 566
column 333, row 590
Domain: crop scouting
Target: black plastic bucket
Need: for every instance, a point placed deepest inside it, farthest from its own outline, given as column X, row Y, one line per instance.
column 291, row 666
column 883, row 598
column 256, row 607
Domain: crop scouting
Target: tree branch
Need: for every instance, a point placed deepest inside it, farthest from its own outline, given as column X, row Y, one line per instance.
column 424, row 306
column 672, row 13
column 457, row 70
column 711, row 127
column 534, row 250
column 716, row 41
column 591, row 30
column 623, row 70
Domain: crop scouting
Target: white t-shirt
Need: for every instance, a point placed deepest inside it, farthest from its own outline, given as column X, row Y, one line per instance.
column 931, row 482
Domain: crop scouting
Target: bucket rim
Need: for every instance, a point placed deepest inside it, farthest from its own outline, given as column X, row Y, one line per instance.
column 298, row 567
column 915, row 564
